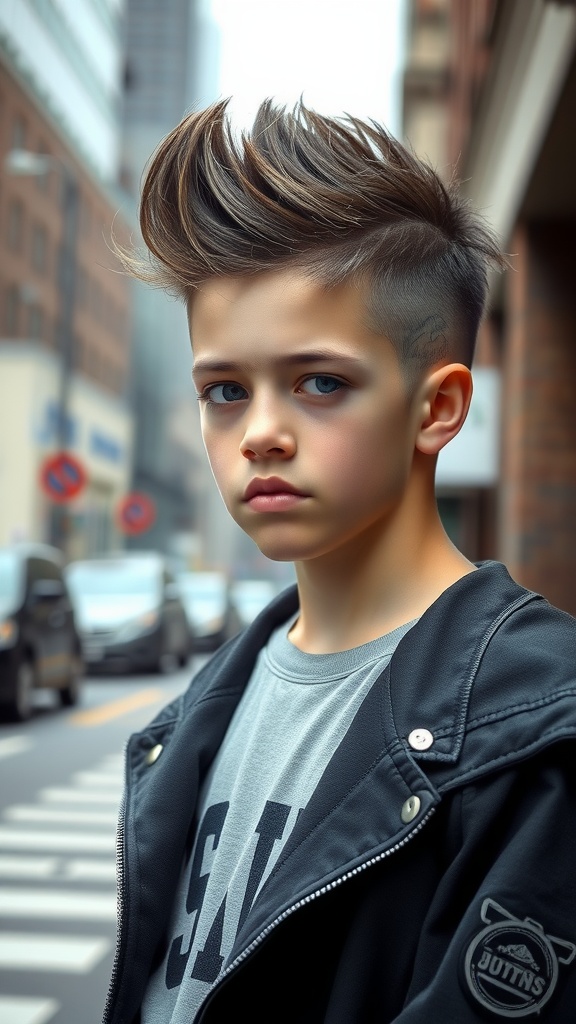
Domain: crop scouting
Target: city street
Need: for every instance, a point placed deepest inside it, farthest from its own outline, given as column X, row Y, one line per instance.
column 60, row 785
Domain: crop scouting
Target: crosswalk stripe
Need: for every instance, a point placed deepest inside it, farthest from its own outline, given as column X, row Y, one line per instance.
column 73, row 794
column 34, row 839
column 78, row 869
column 114, row 761
column 57, row 903
column 21, row 812
column 31, row 853
column 104, row 779
column 27, row 867
column 11, row 745
column 91, row 870
column 73, row 954
column 23, row 1010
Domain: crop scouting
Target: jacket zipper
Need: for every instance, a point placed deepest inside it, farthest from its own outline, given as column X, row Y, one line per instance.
column 302, row 903
column 120, row 901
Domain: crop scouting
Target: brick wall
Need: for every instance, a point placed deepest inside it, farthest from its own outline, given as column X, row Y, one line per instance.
column 537, row 524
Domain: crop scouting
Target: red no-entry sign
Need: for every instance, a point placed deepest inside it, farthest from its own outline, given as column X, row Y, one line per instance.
column 136, row 513
column 62, row 477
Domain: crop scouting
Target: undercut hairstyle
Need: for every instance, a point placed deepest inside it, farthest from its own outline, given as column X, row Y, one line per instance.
column 338, row 199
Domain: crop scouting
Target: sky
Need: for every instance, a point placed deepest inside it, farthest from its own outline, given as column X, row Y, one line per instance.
column 343, row 56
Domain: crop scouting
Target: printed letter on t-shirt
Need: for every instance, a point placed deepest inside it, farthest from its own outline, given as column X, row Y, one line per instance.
column 269, row 829
column 210, row 829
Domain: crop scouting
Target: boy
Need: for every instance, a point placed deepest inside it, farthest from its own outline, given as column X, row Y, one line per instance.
column 363, row 808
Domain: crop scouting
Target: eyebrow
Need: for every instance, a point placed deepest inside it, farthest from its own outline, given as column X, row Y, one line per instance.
column 297, row 358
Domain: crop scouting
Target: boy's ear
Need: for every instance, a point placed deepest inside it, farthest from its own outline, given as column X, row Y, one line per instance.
column 447, row 392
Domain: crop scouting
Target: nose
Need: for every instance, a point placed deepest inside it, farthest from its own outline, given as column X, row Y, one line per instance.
column 267, row 435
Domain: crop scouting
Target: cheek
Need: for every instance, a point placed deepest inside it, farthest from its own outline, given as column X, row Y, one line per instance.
column 219, row 456
column 359, row 457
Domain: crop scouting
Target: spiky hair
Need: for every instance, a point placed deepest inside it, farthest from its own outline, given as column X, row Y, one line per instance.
column 336, row 197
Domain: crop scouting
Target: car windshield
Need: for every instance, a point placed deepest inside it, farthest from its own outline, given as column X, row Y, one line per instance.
column 108, row 578
column 202, row 587
column 10, row 577
column 251, row 596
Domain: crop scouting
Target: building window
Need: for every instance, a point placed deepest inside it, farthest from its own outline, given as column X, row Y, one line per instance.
column 108, row 315
column 43, row 180
column 81, row 286
column 35, row 323
column 18, row 140
column 96, row 300
column 86, row 217
column 39, row 248
column 12, row 311
column 15, row 225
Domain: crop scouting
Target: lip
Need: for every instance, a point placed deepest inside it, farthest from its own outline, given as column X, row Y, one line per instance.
column 270, row 485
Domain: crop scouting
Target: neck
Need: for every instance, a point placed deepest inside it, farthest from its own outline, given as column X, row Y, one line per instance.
column 377, row 582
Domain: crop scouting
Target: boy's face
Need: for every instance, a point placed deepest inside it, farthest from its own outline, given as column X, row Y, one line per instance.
column 307, row 421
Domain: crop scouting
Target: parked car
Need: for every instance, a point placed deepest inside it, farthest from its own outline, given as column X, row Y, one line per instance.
column 129, row 612
column 211, row 612
column 251, row 596
column 39, row 642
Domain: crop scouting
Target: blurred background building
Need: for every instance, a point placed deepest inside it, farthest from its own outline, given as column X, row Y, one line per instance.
column 162, row 81
column 490, row 87
column 64, row 313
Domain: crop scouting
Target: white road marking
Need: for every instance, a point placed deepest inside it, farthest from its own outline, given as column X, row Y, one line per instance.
column 22, row 1010
column 27, row 867
column 113, row 762
column 72, row 794
column 90, row 870
column 73, row 954
column 11, row 745
column 24, row 839
column 91, row 802
column 75, row 870
column 22, row 812
column 57, row 903
column 99, row 779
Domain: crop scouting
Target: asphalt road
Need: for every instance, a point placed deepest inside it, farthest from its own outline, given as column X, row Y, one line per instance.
column 60, row 785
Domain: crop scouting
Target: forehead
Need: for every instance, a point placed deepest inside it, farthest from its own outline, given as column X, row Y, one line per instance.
column 276, row 308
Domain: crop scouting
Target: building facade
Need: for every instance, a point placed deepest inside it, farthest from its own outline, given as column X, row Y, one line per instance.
column 65, row 310
column 500, row 105
column 159, row 86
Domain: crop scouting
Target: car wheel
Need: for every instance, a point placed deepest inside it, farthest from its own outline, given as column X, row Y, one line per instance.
column 167, row 663
column 70, row 694
column 19, row 708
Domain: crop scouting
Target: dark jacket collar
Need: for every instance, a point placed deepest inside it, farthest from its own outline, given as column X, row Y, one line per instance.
column 433, row 668
column 470, row 658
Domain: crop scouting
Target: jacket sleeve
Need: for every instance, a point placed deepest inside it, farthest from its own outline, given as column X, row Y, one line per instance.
column 499, row 939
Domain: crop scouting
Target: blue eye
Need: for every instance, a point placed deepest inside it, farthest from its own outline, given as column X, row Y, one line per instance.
column 322, row 385
column 224, row 394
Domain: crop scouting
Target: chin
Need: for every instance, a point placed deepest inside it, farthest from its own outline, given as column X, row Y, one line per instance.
column 286, row 549
column 278, row 552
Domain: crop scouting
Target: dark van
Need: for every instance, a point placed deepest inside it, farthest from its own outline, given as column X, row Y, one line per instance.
column 39, row 642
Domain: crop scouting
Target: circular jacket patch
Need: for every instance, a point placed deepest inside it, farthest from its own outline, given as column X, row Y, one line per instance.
column 511, row 966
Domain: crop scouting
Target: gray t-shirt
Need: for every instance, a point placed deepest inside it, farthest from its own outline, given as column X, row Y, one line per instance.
column 295, row 711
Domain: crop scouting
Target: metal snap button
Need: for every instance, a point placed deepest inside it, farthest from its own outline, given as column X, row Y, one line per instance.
column 410, row 809
column 420, row 739
column 154, row 754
